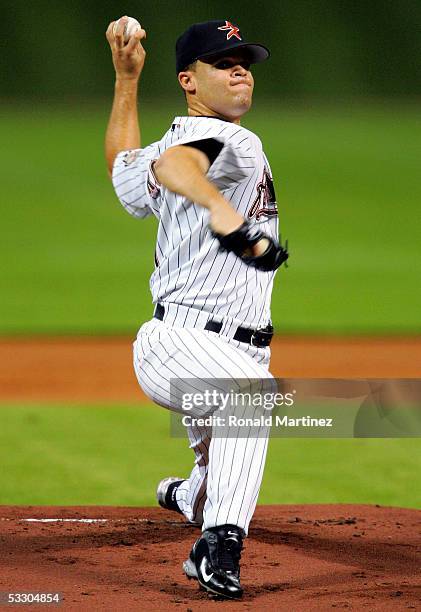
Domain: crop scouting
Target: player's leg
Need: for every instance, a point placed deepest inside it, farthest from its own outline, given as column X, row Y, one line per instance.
column 190, row 357
column 232, row 492
column 235, row 464
column 236, row 459
column 191, row 494
column 156, row 361
column 171, row 362
column 188, row 495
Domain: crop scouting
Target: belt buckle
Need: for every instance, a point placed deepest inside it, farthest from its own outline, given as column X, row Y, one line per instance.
column 262, row 337
column 253, row 336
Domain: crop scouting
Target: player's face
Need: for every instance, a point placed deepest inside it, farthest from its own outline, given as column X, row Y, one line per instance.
column 225, row 85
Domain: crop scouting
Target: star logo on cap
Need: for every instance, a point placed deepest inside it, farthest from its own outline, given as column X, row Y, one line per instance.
column 233, row 30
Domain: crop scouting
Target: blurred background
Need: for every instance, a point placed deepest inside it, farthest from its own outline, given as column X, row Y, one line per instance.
column 338, row 109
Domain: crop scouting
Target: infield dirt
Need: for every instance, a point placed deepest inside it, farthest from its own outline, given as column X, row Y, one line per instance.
column 100, row 369
column 297, row 558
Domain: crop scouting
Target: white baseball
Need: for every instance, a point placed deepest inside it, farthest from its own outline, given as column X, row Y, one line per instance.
column 131, row 27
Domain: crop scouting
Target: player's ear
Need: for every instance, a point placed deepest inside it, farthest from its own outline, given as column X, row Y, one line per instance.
column 187, row 81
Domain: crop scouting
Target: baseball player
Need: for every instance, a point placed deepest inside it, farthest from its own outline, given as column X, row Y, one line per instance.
column 209, row 184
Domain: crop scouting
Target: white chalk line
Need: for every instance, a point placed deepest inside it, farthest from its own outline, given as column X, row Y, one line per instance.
column 62, row 520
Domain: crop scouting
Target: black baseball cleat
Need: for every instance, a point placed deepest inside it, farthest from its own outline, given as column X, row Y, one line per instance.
column 215, row 561
column 165, row 493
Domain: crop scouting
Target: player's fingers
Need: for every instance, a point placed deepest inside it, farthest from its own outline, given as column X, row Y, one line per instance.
column 109, row 33
column 260, row 247
column 134, row 41
column 119, row 31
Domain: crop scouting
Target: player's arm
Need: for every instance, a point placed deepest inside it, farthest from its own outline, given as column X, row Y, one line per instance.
column 123, row 130
column 182, row 169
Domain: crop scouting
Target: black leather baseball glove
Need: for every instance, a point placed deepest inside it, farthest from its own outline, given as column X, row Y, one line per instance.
column 241, row 241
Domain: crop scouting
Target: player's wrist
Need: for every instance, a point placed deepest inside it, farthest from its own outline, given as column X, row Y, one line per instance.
column 126, row 83
column 224, row 219
column 218, row 203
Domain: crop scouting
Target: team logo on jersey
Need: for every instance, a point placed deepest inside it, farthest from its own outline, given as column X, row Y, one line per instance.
column 265, row 202
column 130, row 157
column 152, row 182
column 233, row 30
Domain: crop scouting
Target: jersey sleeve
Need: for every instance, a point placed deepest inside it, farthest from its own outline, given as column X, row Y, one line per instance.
column 231, row 155
column 134, row 180
column 209, row 146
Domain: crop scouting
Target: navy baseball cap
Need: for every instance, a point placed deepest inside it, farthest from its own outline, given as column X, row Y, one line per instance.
column 213, row 38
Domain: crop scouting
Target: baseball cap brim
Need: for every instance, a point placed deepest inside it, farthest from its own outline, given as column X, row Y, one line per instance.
column 257, row 53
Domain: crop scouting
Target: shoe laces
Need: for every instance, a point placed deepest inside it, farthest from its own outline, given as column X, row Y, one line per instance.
column 229, row 554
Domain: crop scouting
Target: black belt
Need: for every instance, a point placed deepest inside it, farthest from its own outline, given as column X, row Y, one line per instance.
column 256, row 337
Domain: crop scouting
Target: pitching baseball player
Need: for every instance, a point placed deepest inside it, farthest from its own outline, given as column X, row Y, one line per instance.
column 209, row 184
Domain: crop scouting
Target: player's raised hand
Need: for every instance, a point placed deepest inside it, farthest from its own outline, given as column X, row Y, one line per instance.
column 128, row 57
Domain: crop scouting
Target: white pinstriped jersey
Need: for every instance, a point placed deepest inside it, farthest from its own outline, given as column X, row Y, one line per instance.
column 190, row 270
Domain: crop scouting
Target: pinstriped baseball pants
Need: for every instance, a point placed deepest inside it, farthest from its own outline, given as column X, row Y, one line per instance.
column 224, row 484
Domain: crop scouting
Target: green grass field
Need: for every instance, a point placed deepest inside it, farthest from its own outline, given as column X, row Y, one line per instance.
column 75, row 455
column 348, row 186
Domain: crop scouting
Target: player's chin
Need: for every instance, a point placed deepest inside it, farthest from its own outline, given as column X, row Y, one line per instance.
column 243, row 100
column 235, row 106
column 243, row 106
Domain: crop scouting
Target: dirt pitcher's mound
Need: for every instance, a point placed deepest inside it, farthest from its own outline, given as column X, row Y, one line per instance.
column 296, row 558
